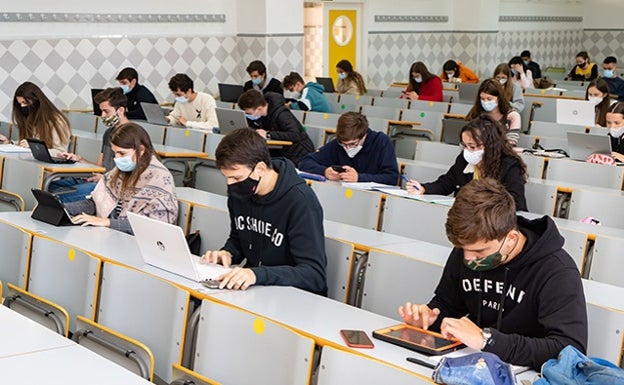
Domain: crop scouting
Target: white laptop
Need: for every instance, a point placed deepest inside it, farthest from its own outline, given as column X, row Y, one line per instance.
column 230, row 120
column 581, row 145
column 164, row 246
column 578, row 112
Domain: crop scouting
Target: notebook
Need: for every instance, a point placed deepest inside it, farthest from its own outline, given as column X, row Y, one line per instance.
column 327, row 83
column 154, row 114
column 229, row 120
column 40, row 152
column 579, row 112
column 230, row 92
column 164, row 246
column 50, row 209
column 581, row 145
column 96, row 107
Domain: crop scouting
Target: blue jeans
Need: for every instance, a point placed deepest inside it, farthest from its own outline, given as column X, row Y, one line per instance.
column 71, row 189
column 474, row 369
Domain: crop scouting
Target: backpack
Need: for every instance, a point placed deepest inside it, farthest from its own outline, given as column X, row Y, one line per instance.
column 574, row 368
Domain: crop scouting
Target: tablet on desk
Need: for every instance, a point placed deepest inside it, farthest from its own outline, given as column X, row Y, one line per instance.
column 417, row 339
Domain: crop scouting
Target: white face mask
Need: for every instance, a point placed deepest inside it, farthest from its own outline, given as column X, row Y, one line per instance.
column 616, row 132
column 473, row 157
column 595, row 100
column 502, row 81
column 353, row 151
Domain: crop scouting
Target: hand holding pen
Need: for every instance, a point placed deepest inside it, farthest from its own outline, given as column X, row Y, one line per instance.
column 412, row 186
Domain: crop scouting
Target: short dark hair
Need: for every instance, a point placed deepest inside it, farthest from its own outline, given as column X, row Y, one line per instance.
column 128, row 74
column 483, row 210
column 291, row 79
column 525, row 53
column 180, row 82
column 242, row 146
column 351, row 125
column 251, row 99
column 256, row 65
column 450, row 65
column 610, row 59
column 114, row 96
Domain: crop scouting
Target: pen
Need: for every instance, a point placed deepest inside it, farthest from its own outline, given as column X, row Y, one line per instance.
column 406, row 180
column 421, row 362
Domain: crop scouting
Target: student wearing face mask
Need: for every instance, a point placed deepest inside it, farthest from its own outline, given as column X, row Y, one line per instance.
column 422, row 85
column 305, row 96
column 598, row 94
column 491, row 100
column 192, row 109
column 349, row 81
column 610, row 75
column 139, row 183
column 521, row 76
column 276, row 220
column 513, row 93
column 584, row 69
column 364, row 155
column 268, row 115
column 485, row 153
column 260, row 80
column 508, row 286
column 456, row 72
column 136, row 93
column 615, row 124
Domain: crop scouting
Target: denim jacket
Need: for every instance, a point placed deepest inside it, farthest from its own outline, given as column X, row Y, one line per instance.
column 480, row 368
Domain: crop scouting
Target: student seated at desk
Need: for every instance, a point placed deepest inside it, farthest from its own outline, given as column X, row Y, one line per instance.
column 269, row 116
column 598, row 94
column 513, row 93
column 139, row 183
column 276, row 221
column 508, row 286
column 306, row 96
column 192, row 109
column 615, row 124
column 350, row 82
column 584, row 68
column 364, row 154
column 455, row 72
column 136, row 93
column 422, row 84
column 260, row 80
column 485, row 153
column 36, row 117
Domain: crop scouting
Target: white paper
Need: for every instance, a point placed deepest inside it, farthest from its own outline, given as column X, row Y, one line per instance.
column 368, row 186
column 13, row 148
column 431, row 198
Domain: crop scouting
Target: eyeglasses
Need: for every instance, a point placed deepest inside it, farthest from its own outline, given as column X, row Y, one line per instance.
column 351, row 144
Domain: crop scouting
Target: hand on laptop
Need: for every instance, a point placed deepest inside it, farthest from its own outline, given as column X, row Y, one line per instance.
column 90, row 220
column 222, row 257
column 70, row 156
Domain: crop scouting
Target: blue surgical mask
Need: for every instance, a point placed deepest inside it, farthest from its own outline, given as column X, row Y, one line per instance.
column 526, row 62
column 342, row 75
column 125, row 164
column 257, row 81
column 417, row 80
column 252, row 117
column 607, row 73
column 181, row 99
column 489, row 105
column 125, row 88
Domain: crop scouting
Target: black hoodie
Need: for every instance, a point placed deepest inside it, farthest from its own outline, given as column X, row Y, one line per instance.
column 544, row 307
column 281, row 124
column 281, row 233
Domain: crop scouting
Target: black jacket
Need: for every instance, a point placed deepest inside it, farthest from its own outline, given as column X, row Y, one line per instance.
column 139, row 94
column 281, row 234
column 544, row 306
column 454, row 179
column 617, row 144
column 283, row 125
column 274, row 85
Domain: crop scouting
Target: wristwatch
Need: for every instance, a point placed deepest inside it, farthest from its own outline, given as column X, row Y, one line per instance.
column 487, row 337
column 268, row 135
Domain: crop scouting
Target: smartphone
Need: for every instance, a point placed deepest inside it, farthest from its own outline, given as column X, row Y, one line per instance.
column 338, row 168
column 356, row 339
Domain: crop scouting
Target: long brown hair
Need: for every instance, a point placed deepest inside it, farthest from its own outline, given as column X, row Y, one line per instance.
column 487, row 132
column 352, row 75
column 40, row 119
column 504, row 69
column 494, row 88
column 601, row 109
column 420, row 68
column 131, row 136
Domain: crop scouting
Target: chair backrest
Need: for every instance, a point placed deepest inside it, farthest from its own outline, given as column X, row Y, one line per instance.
column 575, row 245
column 596, row 175
column 391, row 102
column 547, row 112
column 10, row 201
column 373, row 93
column 427, row 105
column 81, row 121
column 18, row 177
column 317, row 134
column 399, row 215
column 540, row 197
column 460, row 108
column 338, row 365
column 157, row 320
column 289, row 361
column 384, row 112
column 393, row 92
column 190, row 139
column 423, row 171
column 378, row 124
column 213, row 225
column 44, row 312
column 356, row 99
column 601, row 205
column 436, row 152
column 606, row 262
column 535, row 165
column 346, row 205
column 299, row 114
column 113, row 345
column 212, row 141
column 156, row 132
column 5, row 129
column 209, row 178
column 451, row 129
column 16, row 251
column 339, row 268
column 222, row 104
column 340, row 107
column 88, row 146
column 605, row 337
column 427, row 119
column 555, row 130
column 321, row 119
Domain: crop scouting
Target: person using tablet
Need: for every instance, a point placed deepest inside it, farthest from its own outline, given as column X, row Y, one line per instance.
column 136, row 93
column 276, row 220
column 485, row 153
column 508, row 286
column 139, row 183
column 358, row 154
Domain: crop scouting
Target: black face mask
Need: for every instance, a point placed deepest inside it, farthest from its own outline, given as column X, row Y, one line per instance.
column 25, row 110
column 244, row 189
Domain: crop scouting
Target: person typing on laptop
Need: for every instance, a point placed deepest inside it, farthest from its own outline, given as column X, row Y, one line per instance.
column 192, row 109
column 276, row 221
column 508, row 287
column 139, row 183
